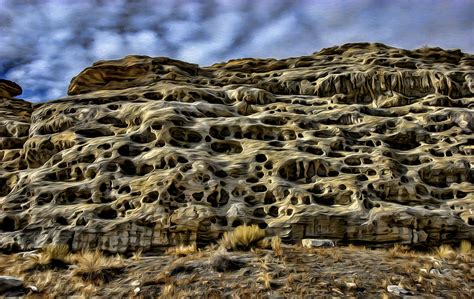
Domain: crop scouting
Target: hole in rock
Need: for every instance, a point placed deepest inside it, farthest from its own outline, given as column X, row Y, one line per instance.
column 260, row 158
column 185, row 135
column 8, row 224
column 145, row 169
column 227, row 147
column 198, row 196
column 221, row 174
column 124, row 189
column 269, row 198
column 322, row 200
column 259, row 212
column 129, row 151
column 144, row 137
column 251, row 200
column 61, row 220
column 151, row 197
column 273, row 211
column 44, row 198
column 127, row 167
column 362, row 177
column 107, row 213
column 94, row 133
column 252, row 180
column 182, row 159
column 268, row 165
column 259, row 188
column 109, row 120
column 237, row 222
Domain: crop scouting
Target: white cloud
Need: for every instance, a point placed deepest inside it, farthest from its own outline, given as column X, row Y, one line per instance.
column 44, row 43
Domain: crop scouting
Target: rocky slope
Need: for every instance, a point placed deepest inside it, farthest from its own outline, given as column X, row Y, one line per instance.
column 359, row 143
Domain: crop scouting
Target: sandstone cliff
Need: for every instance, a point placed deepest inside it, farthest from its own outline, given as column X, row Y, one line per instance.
column 359, row 143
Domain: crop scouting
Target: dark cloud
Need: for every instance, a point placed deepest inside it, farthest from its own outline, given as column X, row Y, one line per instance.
column 45, row 43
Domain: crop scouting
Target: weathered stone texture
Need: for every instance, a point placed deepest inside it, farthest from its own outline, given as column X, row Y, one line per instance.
column 359, row 143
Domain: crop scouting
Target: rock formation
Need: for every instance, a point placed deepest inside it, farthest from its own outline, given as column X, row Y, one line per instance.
column 359, row 143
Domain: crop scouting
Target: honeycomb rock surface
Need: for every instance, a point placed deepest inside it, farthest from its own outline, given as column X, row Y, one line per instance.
column 359, row 143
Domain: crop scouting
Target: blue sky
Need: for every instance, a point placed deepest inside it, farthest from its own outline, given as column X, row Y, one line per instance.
column 43, row 44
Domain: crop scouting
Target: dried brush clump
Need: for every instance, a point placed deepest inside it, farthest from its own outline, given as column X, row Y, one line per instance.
column 243, row 238
column 53, row 256
column 445, row 252
column 465, row 247
column 95, row 267
column 276, row 246
column 183, row 250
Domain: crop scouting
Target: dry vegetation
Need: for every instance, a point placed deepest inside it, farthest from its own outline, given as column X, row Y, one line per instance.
column 242, row 267
column 242, row 237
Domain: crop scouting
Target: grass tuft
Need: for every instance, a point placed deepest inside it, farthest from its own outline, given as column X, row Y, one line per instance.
column 276, row 246
column 445, row 252
column 465, row 247
column 183, row 250
column 242, row 238
column 94, row 267
column 53, row 256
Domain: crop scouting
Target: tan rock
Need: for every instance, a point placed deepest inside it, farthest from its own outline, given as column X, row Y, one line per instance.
column 9, row 89
column 358, row 143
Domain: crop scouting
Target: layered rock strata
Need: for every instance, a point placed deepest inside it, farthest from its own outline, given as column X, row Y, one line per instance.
column 359, row 143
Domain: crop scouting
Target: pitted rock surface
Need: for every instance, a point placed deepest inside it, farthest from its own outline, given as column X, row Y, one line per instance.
column 358, row 143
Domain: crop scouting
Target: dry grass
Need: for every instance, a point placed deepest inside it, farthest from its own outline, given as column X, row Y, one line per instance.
column 94, row 267
column 137, row 255
column 265, row 278
column 398, row 250
column 55, row 256
column 445, row 252
column 276, row 246
column 465, row 247
column 242, row 238
column 316, row 273
column 168, row 291
column 183, row 250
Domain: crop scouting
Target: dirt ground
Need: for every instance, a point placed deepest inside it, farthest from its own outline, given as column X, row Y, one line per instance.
column 291, row 272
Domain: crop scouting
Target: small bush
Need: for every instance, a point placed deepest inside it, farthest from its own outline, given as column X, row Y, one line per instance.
column 94, row 267
column 53, row 256
column 242, row 238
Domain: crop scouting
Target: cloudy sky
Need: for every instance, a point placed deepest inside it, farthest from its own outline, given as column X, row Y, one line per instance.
column 43, row 44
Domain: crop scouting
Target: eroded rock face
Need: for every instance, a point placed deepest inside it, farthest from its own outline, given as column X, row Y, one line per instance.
column 359, row 143
column 9, row 89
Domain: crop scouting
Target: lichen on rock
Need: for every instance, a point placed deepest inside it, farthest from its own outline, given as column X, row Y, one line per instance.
column 359, row 143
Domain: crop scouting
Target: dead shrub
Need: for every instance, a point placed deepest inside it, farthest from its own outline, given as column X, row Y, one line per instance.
column 94, row 267
column 276, row 246
column 445, row 252
column 183, row 250
column 53, row 256
column 242, row 238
